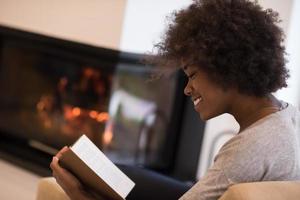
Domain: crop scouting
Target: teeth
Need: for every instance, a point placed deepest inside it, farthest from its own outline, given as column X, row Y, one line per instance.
column 196, row 101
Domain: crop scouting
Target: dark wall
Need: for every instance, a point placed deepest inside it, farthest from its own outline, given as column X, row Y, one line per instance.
column 189, row 144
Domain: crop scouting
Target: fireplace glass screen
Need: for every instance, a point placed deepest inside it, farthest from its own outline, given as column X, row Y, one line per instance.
column 52, row 95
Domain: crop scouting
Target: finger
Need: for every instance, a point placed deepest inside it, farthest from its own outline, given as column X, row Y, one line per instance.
column 54, row 165
column 58, row 156
column 54, row 174
column 56, row 178
column 63, row 150
column 59, row 171
column 63, row 177
column 59, row 181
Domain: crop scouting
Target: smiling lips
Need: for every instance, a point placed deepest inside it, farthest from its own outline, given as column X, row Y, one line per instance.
column 197, row 101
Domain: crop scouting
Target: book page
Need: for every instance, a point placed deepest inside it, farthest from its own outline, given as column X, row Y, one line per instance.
column 102, row 166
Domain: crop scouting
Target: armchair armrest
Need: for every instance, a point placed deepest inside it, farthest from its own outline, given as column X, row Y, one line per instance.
column 48, row 189
column 270, row 190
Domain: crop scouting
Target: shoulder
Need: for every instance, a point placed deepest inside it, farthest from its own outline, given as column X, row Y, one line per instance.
column 273, row 129
column 248, row 154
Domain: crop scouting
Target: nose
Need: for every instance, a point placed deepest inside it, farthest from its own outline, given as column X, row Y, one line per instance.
column 188, row 89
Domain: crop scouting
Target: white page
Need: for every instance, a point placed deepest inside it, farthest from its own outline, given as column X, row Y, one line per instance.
column 102, row 166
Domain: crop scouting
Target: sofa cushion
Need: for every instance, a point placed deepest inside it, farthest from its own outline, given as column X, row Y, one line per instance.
column 273, row 190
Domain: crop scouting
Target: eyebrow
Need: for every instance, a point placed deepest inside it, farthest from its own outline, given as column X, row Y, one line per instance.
column 184, row 67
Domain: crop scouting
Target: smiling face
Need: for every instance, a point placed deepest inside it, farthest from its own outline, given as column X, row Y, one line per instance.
column 210, row 100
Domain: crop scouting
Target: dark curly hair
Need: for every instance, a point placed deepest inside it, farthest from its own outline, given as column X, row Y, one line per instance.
column 236, row 42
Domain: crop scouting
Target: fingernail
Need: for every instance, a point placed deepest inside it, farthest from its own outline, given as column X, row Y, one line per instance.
column 55, row 158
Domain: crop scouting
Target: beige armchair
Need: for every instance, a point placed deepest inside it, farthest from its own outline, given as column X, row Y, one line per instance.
column 273, row 190
column 48, row 189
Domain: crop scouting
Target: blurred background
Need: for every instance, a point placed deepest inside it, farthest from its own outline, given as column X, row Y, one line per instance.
column 74, row 67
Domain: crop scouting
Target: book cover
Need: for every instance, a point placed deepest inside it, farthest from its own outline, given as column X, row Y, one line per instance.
column 95, row 170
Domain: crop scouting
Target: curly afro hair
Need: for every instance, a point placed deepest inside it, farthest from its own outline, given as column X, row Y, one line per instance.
column 236, row 42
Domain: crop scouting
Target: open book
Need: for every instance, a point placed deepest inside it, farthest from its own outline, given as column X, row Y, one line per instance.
column 95, row 170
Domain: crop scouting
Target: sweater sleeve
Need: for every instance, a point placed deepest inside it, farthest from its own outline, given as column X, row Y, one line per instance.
column 210, row 187
column 216, row 181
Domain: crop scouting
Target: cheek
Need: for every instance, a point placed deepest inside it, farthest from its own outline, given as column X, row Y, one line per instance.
column 214, row 103
column 211, row 97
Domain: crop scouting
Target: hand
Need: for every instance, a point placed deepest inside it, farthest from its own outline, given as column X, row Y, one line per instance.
column 69, row 183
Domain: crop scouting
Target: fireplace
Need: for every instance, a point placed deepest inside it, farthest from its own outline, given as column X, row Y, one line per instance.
column 53, row 90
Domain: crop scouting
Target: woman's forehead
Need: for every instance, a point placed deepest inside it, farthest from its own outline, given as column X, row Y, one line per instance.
column 184, row 63
column 188, row 66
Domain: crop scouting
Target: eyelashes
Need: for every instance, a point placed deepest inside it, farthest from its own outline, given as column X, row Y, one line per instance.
column 192, row 76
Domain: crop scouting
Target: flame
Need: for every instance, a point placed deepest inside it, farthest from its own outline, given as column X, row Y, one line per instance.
column 93, row 114
column 103, row 117
column 76, row 111
column 68, row 113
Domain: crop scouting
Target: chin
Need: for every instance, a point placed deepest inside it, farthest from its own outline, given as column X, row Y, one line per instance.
column 205, row 117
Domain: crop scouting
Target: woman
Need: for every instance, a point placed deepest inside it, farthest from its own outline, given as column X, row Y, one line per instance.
column 233, row 56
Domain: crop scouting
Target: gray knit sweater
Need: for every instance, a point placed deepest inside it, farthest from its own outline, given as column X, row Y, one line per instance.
column 268, row 150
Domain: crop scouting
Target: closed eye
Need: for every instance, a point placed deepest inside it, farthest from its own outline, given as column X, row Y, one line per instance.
column 192, row 75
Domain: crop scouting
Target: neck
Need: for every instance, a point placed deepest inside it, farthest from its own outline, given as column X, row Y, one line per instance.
column 249, row 109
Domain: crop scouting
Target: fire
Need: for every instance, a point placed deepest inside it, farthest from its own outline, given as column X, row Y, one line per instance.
column 76, row 111
column 93, row 114
column 103, row 117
